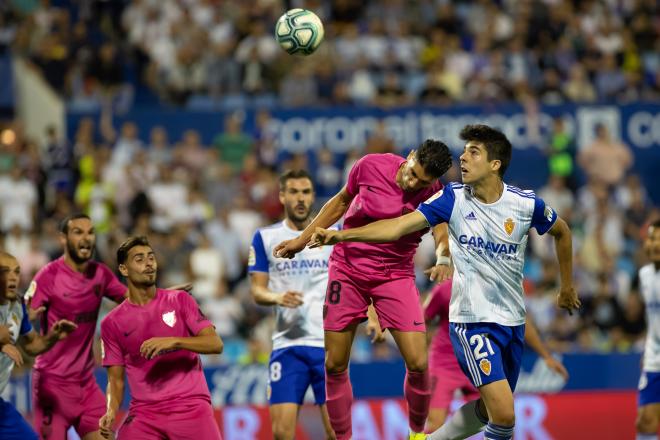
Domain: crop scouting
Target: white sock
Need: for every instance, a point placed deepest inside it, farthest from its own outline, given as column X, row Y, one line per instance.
column 464, row 423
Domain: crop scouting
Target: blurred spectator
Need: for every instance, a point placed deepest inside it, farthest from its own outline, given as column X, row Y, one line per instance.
column 561, row 153
column 206, row 270
column 233, row 144
column 605, row 159
column 223, row 310
column 18, row 201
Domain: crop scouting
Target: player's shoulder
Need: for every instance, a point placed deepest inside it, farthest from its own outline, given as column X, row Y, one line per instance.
column 173, row 295
column 514, row 191
column 276, row 231
column 114, row 315
column 378, row 159
column 49, row 270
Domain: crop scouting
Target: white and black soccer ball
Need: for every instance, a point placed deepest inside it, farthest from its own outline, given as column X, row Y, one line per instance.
column 299, row 31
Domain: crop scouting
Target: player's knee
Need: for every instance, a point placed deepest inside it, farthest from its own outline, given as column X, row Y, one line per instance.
column 282, row 431
column 504, row 417
column 418, row 364
column 646, row 423
column 335, row 364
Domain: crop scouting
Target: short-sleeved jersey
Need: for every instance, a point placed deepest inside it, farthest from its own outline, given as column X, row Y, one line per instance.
column 377, row 196
column 169, row 377
column 441, row 352
column 649, row 284
column 306, row 273
column 487, row 243
column 75, row 296
column 14, row 316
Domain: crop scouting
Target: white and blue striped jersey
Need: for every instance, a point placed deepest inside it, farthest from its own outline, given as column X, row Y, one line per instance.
column 487, row 243
column 306, row 273
column 14, row 316
column 649, row 285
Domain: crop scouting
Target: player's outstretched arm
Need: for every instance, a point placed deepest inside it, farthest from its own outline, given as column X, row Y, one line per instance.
column 567, row 298
column 114, row 395
column 34, row 343
column 329, row 214
column 533, row 339
column 382, row 231
column 205, row 342
column 263, row 296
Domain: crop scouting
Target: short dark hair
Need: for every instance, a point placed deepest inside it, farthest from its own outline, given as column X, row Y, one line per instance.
column 128, row 244
column 497, row 145
column 64, row 224
column 434, row 157
column 294, row 174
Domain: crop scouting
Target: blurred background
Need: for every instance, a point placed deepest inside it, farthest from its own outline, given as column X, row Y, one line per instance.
column 173, row 118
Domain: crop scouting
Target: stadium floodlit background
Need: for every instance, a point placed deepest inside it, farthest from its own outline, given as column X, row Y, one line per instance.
column 172, row 118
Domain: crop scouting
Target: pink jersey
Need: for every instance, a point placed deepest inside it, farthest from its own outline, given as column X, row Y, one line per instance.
column 75, row 296
column 377, row 196
column 441, row 351
column 175, row 376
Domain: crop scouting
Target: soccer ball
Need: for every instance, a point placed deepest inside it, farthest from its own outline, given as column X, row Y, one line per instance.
column 299, row 31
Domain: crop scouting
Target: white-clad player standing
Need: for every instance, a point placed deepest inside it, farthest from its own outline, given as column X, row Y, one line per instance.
column 648, row 414
column 296, row 287
column 489, row 222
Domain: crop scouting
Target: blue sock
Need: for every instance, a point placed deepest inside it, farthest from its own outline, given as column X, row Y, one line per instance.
column 641, row 436
column 498, row 432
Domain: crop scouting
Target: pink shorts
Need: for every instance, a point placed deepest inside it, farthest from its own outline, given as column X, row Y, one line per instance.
column 193, row 421
column 445, row 382
column 349, row 293
column 59, row 404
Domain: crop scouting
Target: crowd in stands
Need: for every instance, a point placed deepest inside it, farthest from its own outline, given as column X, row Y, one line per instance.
column 200, row 204
column 384, row 53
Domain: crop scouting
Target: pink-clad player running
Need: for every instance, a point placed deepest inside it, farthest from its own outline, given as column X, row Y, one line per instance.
column 380, row 186
column 64, row 390
column 154, row 337
column 444, row 370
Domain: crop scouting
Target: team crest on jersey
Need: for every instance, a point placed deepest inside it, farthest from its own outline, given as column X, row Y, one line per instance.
column 509, row 225
column 252, row 257
column 484, row 365
column 433, row 197
column 169, row 318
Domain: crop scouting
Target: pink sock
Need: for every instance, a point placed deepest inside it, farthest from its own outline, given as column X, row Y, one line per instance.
column 338, row 399
column 417, row 391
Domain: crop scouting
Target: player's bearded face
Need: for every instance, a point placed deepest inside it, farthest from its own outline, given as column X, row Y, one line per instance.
column 80, row 240
column 298, row 198
column 9, row 278
column 142, row 266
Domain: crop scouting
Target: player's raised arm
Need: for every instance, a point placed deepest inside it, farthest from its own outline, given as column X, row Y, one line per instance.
column 567, row 298
column 382, row 231
column 114, row 395
column 329, row 214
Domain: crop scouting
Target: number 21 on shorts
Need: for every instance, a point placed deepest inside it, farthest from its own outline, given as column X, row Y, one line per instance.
column 481, row 349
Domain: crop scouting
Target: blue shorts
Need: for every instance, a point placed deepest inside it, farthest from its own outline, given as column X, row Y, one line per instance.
column 649, row 388
column 292, row 370
column 12, row 424
column 488, row 352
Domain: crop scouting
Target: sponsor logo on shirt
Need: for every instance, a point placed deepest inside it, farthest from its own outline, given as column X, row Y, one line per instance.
column 169, row 318
column 488, row 246
column 471, row 216
column 85, row 317
column 301, row 265
column 509, row 225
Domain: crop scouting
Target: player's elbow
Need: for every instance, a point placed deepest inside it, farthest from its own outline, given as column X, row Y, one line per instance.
column 560, row 230
column 217, row 345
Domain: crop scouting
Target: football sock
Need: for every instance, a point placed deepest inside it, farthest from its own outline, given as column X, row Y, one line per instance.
column 641, row 436
column 416, row 389
column 339, row 397
column 466, row 421
column 498, row 432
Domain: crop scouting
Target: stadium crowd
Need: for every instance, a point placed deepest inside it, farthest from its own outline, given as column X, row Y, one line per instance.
column 200, row 204
column 439, row 52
